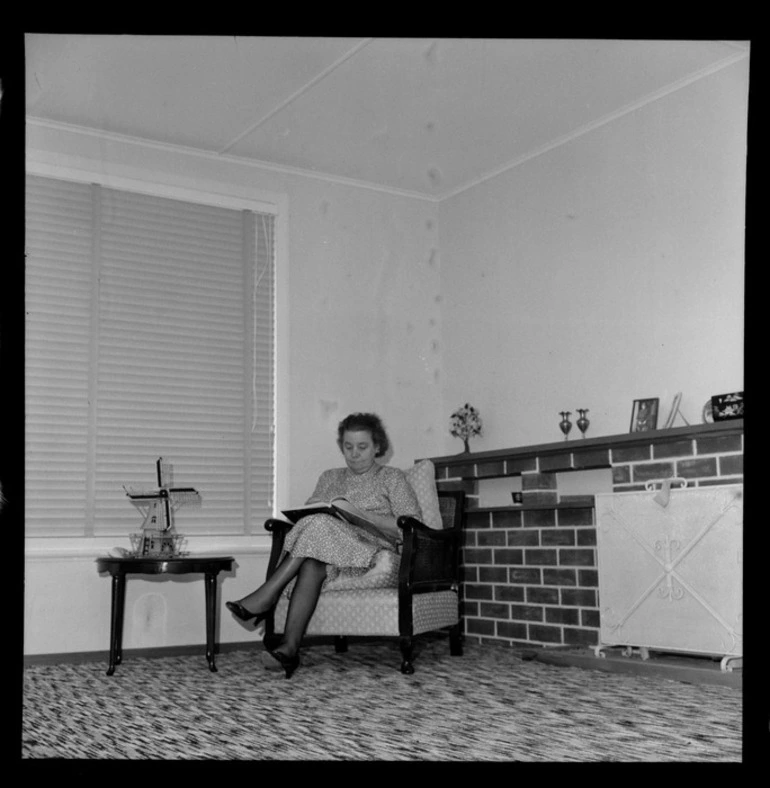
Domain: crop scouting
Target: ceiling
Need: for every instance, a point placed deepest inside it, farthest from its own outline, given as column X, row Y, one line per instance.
column 423, row 116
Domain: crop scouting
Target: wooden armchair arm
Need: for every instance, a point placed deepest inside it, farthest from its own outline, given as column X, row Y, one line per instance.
column 407, row 523
column 430, row 557
column 278, row 529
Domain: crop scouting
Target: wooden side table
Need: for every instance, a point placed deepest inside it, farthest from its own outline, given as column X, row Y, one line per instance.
column 119, row 568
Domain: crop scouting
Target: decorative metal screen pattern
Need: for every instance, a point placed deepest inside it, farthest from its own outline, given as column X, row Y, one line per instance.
column 670, row 569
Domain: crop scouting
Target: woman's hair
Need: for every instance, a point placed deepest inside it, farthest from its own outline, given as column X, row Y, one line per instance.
column 369, row 422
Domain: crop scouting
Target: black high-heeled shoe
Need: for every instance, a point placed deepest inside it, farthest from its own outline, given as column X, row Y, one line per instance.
column 275, row 660
column 239, row 611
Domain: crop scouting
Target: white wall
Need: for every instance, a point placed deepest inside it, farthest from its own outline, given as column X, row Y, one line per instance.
column 359, row 328
column 364, row 322
column 605, row 270
column 359, row 308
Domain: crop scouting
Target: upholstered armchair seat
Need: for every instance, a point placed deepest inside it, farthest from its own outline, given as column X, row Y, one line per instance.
column 425, row 597
column 375, row 611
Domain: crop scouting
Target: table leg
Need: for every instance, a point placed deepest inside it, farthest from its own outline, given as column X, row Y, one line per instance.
column 116, row 621
column 121, row 618
column 211, row 617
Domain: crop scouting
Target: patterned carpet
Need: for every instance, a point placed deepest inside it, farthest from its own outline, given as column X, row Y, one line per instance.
column 488, row 705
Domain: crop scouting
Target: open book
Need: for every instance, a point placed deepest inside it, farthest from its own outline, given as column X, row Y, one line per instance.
column 338, row 507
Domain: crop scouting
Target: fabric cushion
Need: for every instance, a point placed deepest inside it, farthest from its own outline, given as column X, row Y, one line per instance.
column 382, row 574
column 374, row 611
column 422, row 477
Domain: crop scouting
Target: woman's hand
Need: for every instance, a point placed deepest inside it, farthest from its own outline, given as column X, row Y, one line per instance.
column 386, row 523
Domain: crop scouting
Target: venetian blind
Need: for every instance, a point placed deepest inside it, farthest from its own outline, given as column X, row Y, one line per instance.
column 149, row 333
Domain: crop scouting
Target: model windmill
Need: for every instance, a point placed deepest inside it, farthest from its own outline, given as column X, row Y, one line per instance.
column 158, row 537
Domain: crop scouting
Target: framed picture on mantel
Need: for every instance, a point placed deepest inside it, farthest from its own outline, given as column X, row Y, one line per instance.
column 644, row 415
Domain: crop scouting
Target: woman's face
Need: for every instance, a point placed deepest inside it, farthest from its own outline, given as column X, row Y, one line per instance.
column 359, row 450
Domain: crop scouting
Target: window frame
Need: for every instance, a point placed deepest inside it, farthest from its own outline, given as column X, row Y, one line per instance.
column 212, row 193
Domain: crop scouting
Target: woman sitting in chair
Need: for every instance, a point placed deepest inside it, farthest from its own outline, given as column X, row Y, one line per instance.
column 321, row 547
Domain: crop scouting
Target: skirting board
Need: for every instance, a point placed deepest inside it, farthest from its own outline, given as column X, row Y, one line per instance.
column 158, row 651
column 694, row 670
column 177, row 651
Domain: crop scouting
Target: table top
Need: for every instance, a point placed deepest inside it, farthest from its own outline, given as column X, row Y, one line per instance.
column 155, row 565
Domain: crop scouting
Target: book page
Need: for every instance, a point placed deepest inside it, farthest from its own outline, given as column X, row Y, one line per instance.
column 298, row 512
column 352, row 513
column 340, row 508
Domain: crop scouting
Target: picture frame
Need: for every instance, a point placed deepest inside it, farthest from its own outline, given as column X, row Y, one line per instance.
column 644, row 415
column 674, row 412
column 727, row 406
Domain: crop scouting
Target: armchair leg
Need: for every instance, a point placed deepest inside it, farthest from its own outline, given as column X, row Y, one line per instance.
column 406, row 652
column 456, row 640
column 340, row 644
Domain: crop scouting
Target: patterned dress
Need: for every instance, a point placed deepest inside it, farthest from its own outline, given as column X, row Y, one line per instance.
column 344, row 547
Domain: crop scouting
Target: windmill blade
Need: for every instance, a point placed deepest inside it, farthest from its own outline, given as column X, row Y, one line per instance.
column 165, row 473
column 185, row 495
column 143, row 496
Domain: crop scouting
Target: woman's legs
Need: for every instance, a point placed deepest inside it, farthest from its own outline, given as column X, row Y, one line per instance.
column 264, row 597
column 304, row 598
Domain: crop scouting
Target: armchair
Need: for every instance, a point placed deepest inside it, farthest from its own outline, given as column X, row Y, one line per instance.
column 426, row 598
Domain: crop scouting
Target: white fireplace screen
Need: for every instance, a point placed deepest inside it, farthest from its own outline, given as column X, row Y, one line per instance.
column 670, row 569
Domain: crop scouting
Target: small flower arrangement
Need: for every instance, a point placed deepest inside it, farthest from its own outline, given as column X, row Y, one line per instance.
column 466, row 423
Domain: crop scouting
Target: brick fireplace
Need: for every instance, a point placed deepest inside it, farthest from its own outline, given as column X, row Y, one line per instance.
column 529, row 569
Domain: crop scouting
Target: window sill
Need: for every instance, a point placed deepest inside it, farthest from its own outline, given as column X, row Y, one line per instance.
column 88, row 548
